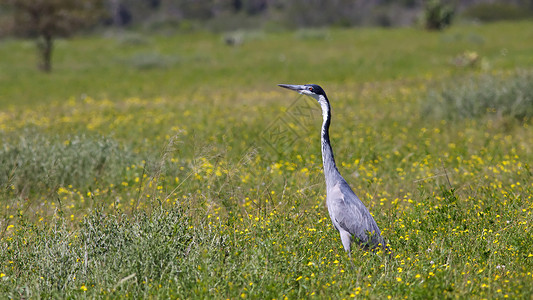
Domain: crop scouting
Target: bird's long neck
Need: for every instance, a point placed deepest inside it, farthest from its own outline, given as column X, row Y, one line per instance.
column 330, row 168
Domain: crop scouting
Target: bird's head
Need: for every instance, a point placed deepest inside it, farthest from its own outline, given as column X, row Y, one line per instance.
column 312, row 90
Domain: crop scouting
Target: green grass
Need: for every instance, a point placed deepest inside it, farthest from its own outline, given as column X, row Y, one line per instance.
column 108, row 67
column 146, row 166
column 499, row 95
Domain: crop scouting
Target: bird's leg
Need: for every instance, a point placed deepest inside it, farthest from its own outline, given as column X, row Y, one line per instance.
column 346, row 239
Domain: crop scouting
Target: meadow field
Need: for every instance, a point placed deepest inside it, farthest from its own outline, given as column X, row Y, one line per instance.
column 170, row 165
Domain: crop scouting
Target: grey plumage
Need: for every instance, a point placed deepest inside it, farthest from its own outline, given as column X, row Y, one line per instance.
column 348, row 214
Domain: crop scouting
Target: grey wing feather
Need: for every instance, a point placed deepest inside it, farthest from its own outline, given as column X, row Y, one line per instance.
column 350, row 214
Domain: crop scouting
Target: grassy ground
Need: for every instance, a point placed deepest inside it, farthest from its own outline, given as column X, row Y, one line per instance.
column 172, row 166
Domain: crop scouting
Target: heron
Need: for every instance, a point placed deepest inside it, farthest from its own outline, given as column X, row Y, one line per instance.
column 348, row 214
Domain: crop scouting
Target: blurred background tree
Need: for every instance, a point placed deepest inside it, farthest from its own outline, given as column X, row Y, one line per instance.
column 46, row 20
column 438, row 15
column 223, row 15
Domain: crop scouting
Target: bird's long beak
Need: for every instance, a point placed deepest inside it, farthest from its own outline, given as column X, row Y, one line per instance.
column 294, row 87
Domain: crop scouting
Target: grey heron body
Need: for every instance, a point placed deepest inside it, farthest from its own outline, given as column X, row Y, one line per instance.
column 348, row 214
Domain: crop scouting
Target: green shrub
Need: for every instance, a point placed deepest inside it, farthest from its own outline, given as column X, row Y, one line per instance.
column 496, row 95
column 115, row 250
column 37, row 163
column 148, row 246
column 129, row 38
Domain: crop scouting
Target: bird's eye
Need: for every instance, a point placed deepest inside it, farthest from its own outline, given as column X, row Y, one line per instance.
column 310, row 88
